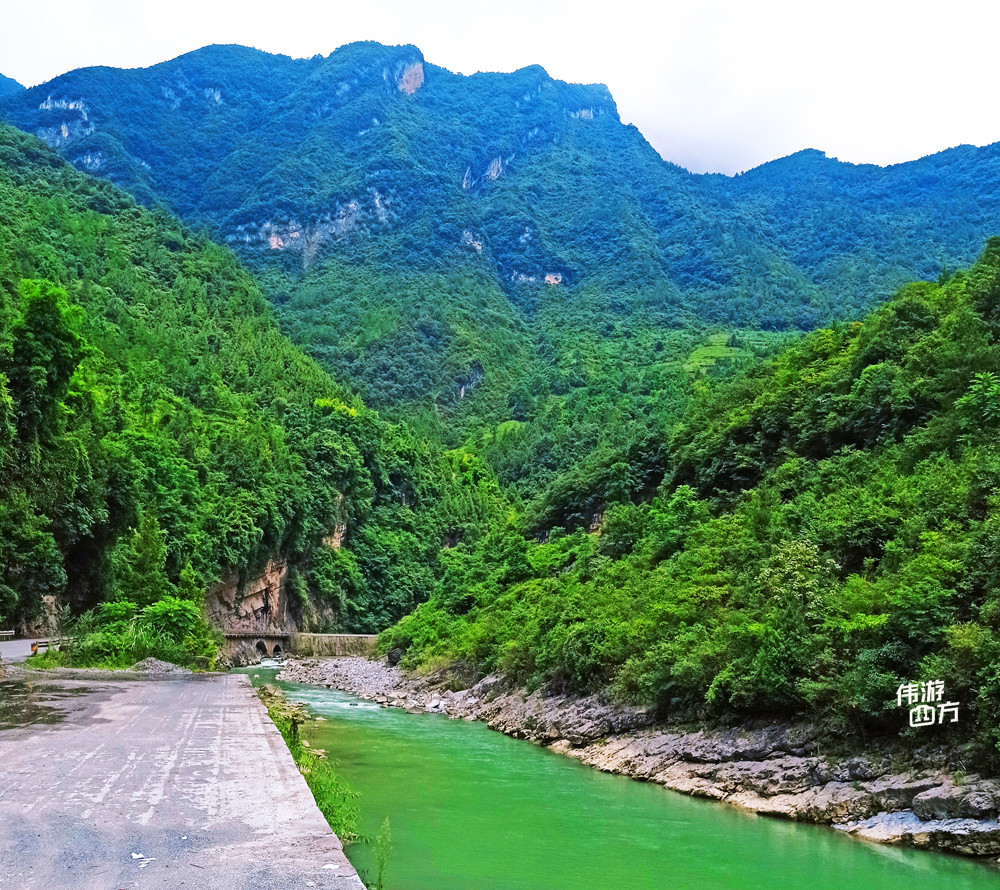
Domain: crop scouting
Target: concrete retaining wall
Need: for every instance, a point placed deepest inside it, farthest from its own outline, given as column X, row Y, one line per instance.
column 326, row 645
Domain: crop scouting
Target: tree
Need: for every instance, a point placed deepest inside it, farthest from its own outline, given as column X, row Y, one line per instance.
column 46, row 351
column 139, row 562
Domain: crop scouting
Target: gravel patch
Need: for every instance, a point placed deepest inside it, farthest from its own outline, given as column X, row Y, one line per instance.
column 155, row 666
column 354, row 674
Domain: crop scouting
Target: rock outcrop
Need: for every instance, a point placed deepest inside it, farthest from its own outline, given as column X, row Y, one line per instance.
column 252, row 604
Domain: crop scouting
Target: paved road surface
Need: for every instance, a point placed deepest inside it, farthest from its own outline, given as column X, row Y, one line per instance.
column 188, row 773
column 15, row 650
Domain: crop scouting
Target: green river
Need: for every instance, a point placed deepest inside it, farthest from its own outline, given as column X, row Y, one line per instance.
column 472, row 809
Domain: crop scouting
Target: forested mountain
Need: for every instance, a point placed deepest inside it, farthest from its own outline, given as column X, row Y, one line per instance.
column 856, row 230
column 502, row 264
column 9, row 86
column 497, row 259
column 158, row 431
column 827, row 529
column 421, row 231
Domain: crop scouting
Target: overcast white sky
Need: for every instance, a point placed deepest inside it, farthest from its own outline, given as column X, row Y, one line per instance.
column 721, row 85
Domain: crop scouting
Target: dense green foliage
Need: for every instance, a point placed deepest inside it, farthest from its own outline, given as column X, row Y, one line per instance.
column 827, row 529
column 118, row 634
column 652, row 484
column 403, row 220
column 157, row 431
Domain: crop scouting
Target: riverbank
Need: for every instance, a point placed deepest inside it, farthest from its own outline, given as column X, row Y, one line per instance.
column 769, row 768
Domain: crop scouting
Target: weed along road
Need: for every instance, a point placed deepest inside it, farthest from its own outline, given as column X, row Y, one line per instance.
column 173, row 782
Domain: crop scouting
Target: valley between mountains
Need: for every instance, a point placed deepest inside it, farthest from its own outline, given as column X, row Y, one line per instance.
column 463, row 362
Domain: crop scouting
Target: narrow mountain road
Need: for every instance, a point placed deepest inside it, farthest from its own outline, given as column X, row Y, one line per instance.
column 15, row 650
column 180, row 783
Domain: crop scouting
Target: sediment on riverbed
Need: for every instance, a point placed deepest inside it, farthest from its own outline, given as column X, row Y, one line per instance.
column 771, row 768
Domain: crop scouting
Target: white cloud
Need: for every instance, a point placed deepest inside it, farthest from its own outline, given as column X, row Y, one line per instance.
column 721, row 85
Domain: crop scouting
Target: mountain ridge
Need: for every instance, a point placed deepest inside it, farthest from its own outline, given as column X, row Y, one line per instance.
column 668, row 240
column 9, row 86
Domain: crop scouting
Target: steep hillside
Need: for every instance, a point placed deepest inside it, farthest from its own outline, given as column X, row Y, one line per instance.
column 157, row 431
column 827, row 530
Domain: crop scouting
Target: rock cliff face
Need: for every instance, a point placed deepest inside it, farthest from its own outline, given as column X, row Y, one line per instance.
column 46, row 623
column 410, row 78
column 771, row 768
column 252, row 604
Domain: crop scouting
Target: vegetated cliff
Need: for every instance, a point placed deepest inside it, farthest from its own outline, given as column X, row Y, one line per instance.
column 158, row 432
column 826, row 533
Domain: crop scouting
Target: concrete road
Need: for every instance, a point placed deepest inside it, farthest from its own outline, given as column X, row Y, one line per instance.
column 179, row 783
column 15, row 650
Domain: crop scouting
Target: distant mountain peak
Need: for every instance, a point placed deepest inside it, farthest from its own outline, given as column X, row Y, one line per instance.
column 9, row 86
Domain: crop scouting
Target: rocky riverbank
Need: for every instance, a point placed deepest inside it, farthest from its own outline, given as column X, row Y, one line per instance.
column 770, row 768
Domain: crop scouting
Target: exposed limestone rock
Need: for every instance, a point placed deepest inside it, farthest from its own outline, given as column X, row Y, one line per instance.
column 255, row 604
column 335, row 540
column 495, row 168
column 973, row 837
column 46, row 623
column 472, row 240
column 353, row 217
column 77, row 105
column 471, row 379
column 411, row 78
column 381, row 207
column 74, row 123
column 975, row 798
column 172, row 97
column 92, row 161
column 64, row 132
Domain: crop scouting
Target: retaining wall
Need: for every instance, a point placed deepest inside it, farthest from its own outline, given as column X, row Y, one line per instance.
column 325, row 645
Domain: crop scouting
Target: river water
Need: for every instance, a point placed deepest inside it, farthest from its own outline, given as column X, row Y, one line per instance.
column 471, row 809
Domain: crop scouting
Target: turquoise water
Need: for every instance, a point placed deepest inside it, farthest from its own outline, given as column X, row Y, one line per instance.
column 472, row 809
